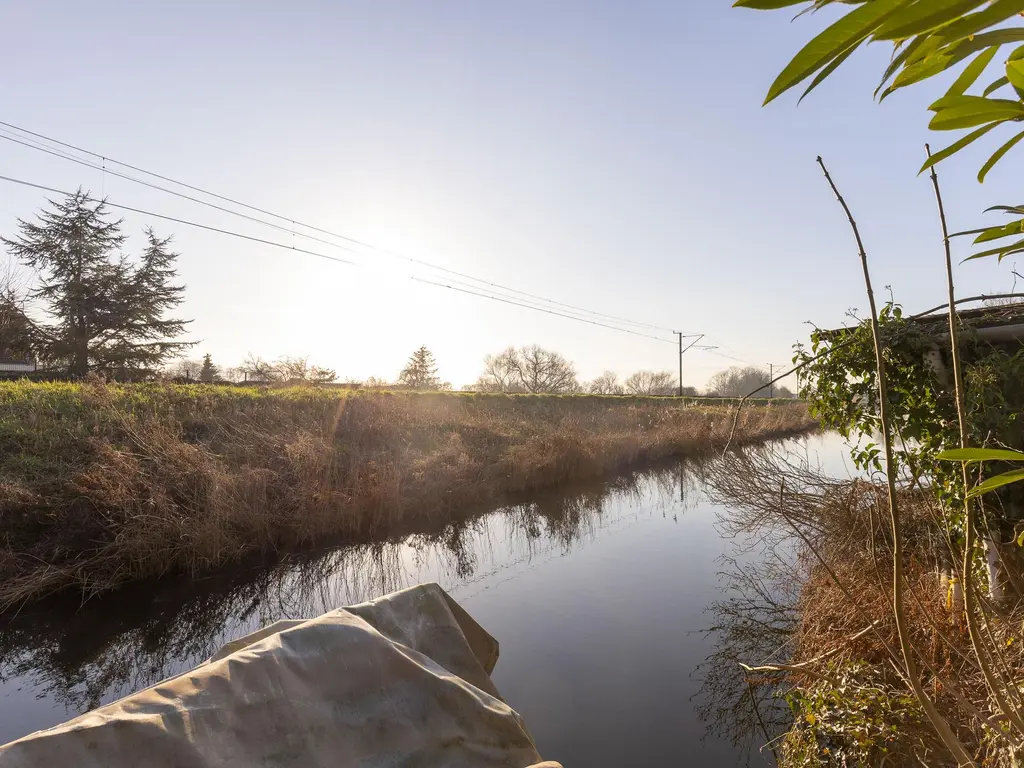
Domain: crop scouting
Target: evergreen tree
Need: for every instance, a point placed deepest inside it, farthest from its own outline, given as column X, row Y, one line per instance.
column 17, row 331
column 209, row 372
column 421, row 371
column 107, row 314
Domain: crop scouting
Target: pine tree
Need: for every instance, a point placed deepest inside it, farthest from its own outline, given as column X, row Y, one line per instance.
column 421, row 371
column 107, row 314
column 209, row 372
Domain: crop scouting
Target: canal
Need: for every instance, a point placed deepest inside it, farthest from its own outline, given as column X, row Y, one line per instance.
column 600, row 596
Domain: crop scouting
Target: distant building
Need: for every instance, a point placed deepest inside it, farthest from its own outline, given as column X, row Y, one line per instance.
column 10, row 366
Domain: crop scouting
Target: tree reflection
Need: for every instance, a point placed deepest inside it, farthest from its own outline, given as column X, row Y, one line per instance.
column 85, row 655
column 761, row 492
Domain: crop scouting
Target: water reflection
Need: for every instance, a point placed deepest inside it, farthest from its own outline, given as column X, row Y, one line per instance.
column 81, row 656
column 605, row 598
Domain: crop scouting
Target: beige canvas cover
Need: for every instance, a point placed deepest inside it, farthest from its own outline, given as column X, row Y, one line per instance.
column 400, row 681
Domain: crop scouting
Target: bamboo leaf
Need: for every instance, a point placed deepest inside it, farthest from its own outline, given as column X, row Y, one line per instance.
column 766, row 5
column 1017, row 246
column 1014, row 476
column 972, row 72
column 845, row 33
column 998, row 155
column 832, row 67
column 898, row 59
column 956, row 146
column 996, row 86
column 997, row 233
column 948, row 56
column 997, row 12
column 1015, row 209
column 1015, row 73
column 924, row 16
column 979, row 454
column 969, row 111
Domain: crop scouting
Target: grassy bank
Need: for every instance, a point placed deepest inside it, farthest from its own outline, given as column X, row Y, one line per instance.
column 835, row 664
column 104, row 484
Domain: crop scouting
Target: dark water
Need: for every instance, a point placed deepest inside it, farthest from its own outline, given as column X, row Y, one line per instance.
column 598, row 595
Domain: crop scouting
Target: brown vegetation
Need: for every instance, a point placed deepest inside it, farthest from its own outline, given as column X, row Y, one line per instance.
column 103, row 484
column 840, row 673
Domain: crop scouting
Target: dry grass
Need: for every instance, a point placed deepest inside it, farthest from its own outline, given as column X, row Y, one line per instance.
column 102, row 484
column 852, row 706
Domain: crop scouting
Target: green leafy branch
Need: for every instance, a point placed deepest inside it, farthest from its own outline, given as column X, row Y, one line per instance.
column 976, row 455
column 929, row 37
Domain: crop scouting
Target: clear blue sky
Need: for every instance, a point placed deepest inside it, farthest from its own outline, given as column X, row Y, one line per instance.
column 613, row 155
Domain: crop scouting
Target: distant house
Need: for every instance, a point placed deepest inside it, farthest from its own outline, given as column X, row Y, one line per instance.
column 10, row 366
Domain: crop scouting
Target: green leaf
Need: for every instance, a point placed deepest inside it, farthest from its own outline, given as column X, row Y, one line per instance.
column 1001, row 252
column 956, row 146
column 766, row 5
column 997, row 12
column 996, row 86
column 1017, row 210
column 1015, row 73
column 832, row 67
column 979, row 454
column 997, row 233
column 899, row 57
column 969, row 111
column 924, row 16
column 845, row 33
column 972, row 72
column 946, row 57
column 1014, row 476
column 998, row 155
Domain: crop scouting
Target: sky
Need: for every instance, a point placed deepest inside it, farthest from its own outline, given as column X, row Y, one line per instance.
column 614, row 156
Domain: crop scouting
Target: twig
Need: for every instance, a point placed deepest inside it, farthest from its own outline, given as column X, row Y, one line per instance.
column 941, row 726
column 760, row 720
column 970, row 531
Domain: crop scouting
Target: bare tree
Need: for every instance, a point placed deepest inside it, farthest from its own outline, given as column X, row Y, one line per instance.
column 189, row 370
column 651, row 383
column 500, row 373
column 530, row 369
column 255, row 368
column 739, row 382
column 300, row 369
column 606, row 384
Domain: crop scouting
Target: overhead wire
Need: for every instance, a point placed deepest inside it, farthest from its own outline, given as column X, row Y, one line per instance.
column 296, row 249
column 105, row 169
column 187, row 222
column 538, row 309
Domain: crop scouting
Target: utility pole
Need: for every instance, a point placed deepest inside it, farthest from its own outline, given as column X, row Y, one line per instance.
column 682, row 351
column 771, row 380
column 680, row 333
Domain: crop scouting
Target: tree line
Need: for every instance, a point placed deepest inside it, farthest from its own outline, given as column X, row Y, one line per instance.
column 95, row 309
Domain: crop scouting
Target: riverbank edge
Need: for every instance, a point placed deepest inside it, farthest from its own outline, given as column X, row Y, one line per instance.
column 101, row 484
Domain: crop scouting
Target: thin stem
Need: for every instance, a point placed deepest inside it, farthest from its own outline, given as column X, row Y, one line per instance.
column 969, row 522
column 941, row 726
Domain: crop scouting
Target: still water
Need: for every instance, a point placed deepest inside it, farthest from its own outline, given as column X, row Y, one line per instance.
column 599, row 595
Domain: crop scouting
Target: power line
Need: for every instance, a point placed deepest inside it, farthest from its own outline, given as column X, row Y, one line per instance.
column 539, row 309
column 330, row 258
column 87, row 164
column 293, row 222
column 182, row 221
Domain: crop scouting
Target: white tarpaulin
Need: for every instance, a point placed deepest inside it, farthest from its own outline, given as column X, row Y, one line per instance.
column 400, row 681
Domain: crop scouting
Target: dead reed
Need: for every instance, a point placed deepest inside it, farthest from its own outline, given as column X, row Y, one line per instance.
column 839, row 673
column 104, row 484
